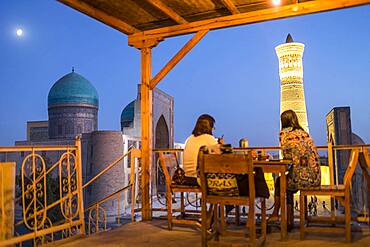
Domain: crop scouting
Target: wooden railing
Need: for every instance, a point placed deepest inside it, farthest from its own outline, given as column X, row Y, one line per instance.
column 364, row 161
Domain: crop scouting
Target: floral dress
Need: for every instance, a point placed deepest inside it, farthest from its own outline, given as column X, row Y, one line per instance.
column 298, row 146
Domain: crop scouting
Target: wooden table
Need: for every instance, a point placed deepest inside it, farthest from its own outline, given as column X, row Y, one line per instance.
column 278, row 167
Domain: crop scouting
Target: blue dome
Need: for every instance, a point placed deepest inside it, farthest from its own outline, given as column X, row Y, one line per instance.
column 128, row 113
column 73, row 88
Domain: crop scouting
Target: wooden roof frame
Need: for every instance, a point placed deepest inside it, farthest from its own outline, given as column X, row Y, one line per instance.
column 231, row 6
column 168, row 11
column 279, row 12
column 146, row 40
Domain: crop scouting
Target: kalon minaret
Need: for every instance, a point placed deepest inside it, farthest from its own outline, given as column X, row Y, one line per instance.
column 291, row 79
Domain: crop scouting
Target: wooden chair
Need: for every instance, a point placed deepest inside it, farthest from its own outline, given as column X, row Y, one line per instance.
column 169, row 160
column 364, row 159
column 231, row 164
column 340, row 192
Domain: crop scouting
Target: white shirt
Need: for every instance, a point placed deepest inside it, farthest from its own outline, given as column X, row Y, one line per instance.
column 192, row 146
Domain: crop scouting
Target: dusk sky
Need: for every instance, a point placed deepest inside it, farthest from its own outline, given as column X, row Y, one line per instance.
column 231, row 74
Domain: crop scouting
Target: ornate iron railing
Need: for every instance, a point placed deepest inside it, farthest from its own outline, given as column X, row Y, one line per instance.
column 62, row 179
column 35, row 199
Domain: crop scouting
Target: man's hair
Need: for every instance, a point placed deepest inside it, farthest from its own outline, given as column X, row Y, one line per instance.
column 204, row 125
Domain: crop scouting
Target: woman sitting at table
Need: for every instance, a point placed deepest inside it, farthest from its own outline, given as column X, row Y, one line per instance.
column 298, row 146
column 201, row 136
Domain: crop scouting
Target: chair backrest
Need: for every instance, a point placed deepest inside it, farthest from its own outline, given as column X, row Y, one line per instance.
column 330, row 161
column 351, row 167
column 168, row 162
column 226, row 163
column 366, row 156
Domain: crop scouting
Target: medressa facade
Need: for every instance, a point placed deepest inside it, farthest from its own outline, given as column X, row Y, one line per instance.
column 339, row 132
column 162, row 129
column 73, row 105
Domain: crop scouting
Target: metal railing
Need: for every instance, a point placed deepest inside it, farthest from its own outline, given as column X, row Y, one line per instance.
column 97, row 213
column 35, row 198
column 38, row 180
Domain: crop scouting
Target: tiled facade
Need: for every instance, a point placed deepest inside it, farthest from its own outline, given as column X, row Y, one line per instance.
column 69, row 118
column 339, row 131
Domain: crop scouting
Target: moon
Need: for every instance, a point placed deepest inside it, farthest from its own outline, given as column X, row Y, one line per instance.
column 19, row 32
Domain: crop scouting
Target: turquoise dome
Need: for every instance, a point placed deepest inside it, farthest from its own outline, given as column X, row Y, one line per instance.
column 73, row 88
column 128, row 112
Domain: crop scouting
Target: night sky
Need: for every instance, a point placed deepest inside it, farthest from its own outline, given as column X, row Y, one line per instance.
column 231, row 74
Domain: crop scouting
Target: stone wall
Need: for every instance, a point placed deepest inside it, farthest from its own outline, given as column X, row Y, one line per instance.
column 65, row 122
column 106, row 146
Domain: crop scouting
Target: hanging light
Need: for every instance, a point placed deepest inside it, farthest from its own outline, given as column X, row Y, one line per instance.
column 276, row 2
column 295, row 8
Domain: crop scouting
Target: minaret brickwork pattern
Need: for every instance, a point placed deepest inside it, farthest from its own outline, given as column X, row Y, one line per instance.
column 291, row 79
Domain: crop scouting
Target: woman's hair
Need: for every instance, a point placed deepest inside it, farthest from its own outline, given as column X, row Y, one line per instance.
column 289, row 119
column 204, row 125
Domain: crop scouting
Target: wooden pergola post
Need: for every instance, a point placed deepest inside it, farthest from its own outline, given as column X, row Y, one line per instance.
column 146, row 130
column 147, row 85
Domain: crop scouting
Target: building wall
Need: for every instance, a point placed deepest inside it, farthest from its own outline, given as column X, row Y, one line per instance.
column 105, row 147
column 339, row 129
column 163, row 105
column 130, row 142
column 66, row 122
column 37, row 130
column 163, row 108
column 338, row 122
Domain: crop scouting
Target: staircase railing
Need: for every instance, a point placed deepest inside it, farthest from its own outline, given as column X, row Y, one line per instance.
column 38, row 203
column 50, row 195
column 96, row 212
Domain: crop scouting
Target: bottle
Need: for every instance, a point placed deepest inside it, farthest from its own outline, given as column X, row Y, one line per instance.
column 243, row 143
column 259, row 155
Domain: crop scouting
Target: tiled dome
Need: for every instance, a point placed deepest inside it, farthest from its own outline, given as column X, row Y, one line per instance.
column 73, row 89
column 128, row 114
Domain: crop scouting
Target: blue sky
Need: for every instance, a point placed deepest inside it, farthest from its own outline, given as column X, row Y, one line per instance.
column 231, row 74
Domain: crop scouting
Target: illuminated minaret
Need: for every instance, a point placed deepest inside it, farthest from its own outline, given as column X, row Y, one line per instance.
column 291, row 79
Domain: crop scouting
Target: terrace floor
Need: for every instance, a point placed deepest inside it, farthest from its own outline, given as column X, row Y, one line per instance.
column 155, row 234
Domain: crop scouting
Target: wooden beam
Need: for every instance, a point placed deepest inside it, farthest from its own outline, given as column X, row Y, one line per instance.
column 146, row 130
column 246, row 18
column 230, row 6
column 101, row 16
column 177, row 58
column 168, row 11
